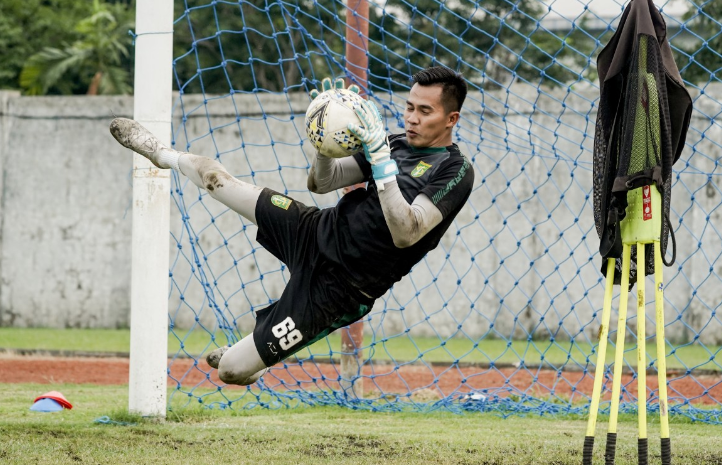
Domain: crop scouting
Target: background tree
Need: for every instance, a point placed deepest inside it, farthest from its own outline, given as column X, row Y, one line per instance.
column 272, row 46
column 700, row 61
column 265, row 45
column 95, row 59
column 492, row 42
column 255, row 45
column 26, row 26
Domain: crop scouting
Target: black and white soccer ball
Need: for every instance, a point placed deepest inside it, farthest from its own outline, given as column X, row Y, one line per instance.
column 327, row 120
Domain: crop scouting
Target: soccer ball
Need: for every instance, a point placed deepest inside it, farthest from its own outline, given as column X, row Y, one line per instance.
column 327, row 118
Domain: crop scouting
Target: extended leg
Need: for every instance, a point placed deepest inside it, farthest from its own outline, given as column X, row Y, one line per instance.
column 240, row 364
column 204, row 172
column 210, row 175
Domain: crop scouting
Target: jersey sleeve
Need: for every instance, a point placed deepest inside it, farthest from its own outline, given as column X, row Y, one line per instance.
column 450, row 185
column 360, row 158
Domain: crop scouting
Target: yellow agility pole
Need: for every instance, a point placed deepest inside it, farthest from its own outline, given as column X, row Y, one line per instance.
column 666, row 449
column 599, row 371
column 642, row 225
column 632, row 158
column 611, row 448
column 642, row 446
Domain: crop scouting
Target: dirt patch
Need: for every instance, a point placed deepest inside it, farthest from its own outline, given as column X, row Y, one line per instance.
column 431, row 381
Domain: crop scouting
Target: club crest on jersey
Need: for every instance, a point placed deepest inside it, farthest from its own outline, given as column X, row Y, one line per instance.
column 281, row 201
column 420, row 169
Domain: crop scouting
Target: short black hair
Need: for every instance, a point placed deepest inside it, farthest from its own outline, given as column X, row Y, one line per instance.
column 453, row 85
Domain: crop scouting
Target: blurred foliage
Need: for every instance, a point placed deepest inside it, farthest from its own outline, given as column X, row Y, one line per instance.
column 273, row 46
column 255, row 45
column 493, row 43
column 78, row 38
column 265, row 45
column 98, row 53
column 95, row 60
column 26, row 26
column 700, row 61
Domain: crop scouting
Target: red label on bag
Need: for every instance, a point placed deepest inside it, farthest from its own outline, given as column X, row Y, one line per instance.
column 646, row 203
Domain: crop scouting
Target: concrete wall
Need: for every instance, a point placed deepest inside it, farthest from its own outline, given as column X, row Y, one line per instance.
column 521, row 258
column 65, row 232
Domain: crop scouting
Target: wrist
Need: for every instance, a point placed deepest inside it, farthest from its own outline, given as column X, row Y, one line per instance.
column 383, row 183
column 379, row 156
column 384, row 171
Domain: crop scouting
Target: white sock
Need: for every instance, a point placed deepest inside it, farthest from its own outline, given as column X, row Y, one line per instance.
column 168, row 158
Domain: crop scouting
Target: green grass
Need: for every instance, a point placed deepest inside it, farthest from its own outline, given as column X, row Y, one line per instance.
column 314, row 436
column 398, row 348
column 91, row 340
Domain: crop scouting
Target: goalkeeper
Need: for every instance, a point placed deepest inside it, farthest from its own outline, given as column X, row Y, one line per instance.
column 343, row 258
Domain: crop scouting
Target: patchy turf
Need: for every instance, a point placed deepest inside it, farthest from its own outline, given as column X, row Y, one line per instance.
column 318, row 435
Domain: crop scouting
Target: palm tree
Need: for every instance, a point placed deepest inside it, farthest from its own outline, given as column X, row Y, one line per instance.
column 101, row 49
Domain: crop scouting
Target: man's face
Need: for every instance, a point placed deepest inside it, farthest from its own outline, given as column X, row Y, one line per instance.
column 427, row 122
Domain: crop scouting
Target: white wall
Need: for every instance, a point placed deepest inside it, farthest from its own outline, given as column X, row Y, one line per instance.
column 66, row 224
column 66, row 227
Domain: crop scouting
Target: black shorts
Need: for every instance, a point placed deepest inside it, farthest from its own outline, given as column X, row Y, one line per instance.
column 315, row 301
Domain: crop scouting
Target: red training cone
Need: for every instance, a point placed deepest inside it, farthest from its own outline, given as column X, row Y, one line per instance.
column 56, row 396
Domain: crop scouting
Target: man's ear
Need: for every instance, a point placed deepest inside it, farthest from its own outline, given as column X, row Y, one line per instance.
column 452, row 119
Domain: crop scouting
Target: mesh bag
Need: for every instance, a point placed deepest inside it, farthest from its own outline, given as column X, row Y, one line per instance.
column 633, row 144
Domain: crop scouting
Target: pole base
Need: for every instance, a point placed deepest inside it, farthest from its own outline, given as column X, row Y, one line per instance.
column 642, row 451
column 611, row 449
column 666, row 451
column 588, row 450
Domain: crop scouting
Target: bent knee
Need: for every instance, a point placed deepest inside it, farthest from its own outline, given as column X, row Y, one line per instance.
column 212, row 173
column 230, row 376
column 234, row 375
column 214, row 179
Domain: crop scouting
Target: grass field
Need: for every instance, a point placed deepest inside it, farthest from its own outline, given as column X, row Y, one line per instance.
column 399, row 348
column 314, row 436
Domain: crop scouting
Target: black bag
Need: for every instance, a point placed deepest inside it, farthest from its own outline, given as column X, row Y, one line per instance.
column 640, row 88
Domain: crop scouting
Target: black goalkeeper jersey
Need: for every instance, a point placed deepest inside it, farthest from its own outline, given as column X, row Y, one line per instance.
column 354, row 235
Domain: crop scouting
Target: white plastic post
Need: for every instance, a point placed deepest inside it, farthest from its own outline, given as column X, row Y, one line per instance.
column 151, row 212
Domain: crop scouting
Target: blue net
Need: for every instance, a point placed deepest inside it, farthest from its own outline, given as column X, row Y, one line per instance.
column 504, row 315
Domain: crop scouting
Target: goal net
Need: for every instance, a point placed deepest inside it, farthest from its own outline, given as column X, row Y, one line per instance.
column 504, row 315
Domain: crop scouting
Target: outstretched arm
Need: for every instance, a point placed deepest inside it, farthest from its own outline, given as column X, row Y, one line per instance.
column 408, row 223
column 328, row 174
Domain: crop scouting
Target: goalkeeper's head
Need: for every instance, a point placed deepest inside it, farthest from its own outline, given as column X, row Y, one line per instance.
column 433, row 106
column 453, row 85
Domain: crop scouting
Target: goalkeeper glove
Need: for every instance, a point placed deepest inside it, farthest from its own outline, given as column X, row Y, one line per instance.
column 375, row 142
column 326, row 84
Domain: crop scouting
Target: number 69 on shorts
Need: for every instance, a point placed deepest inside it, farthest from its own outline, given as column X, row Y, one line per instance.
column 287, row 334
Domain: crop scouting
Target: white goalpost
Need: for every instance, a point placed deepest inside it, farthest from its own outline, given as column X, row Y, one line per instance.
column 151, row 212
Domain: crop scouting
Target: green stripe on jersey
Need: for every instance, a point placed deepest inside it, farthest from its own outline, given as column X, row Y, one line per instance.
column 442, row 193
